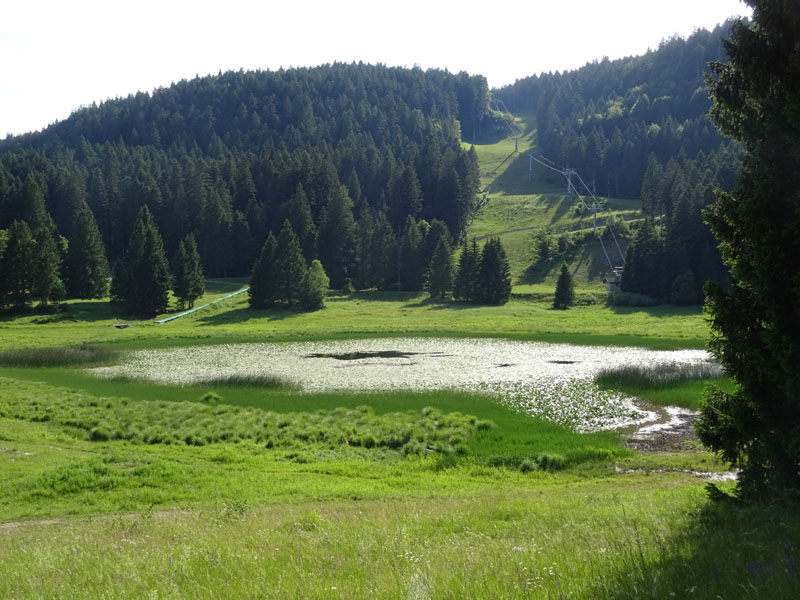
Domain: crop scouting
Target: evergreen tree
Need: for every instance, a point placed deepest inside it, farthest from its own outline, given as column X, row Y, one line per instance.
column 494, row 274
column 298, row 211
column 756, row 321
column 189, row 283
column 411, row 271
column 262, row 278
column 289, row 267
column 440, row 270
column 141, row 278
column 86, row 266
column 565, row 289
column 46, row 283
column 337, row 237
column 465, row 286
column 16, row 267
column 643, row 261
column 315, row 286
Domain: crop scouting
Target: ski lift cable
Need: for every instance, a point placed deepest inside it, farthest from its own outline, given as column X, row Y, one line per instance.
column 595, row 205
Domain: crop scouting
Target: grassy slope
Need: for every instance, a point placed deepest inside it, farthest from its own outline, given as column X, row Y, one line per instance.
column 519, row 204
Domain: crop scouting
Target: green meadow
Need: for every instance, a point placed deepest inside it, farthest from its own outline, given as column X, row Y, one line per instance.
column 248, row 487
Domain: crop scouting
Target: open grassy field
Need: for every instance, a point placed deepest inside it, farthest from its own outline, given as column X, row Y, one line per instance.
column 125, row 489
column 248, row 487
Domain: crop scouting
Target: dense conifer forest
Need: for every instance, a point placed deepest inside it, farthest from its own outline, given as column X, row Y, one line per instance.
column 638, row 128
column 367, row 166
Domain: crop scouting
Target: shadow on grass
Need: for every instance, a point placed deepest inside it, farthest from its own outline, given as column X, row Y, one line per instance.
column 440, row 304
column 241, row 315
column 75, row 311
column 373, row 296
column 725, row 550
column 660, row 310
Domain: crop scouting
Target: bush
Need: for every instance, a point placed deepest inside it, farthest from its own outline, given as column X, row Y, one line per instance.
column 629, row 299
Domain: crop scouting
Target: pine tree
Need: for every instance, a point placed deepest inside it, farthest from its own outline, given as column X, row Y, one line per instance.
column 755, row 321
column 46, row 283
column 298, row 211
column 86, row 266
column 337, row 237
column 411, row 273
column 141, row 279
column 466, row 281
column 494, row 274
column 565, row 289
column 189, row 283
column 440, row 270
column 262, row 278
column 290, row 267
column 16, row 267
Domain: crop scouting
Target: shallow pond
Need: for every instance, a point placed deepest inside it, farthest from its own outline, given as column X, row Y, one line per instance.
column 553, row 381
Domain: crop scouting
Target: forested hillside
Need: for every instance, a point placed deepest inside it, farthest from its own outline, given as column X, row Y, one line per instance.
column 638, row 128
column 351, row 155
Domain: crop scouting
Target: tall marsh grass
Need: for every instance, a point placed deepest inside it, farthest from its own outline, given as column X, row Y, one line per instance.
column 666, row 384
column 82, row 356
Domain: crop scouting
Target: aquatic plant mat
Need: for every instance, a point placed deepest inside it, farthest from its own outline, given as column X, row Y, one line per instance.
column 550, row 381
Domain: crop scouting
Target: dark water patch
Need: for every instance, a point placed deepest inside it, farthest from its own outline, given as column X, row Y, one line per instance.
column 361, row 355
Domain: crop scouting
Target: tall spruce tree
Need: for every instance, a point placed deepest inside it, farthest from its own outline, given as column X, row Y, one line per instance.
column 440, row 270
column 337, row 237
column 756, row 320
column 494, row 275
column 262, row 278
column 290, row 267
column 465, row 286
column 565, row 289
column 141, row 279
column 16, row 267
column 86, row 266
column 189, row 283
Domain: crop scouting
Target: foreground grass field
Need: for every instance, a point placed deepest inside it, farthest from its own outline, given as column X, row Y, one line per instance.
column 125, row 489
column 368, row 314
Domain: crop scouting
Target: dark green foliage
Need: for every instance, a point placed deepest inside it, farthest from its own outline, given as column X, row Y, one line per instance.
column 263, row 276
column 315, row 287
column 188, row 281
column 440, row 270
column 337, row 237
column 46, row 281
column 141, row 279
column 411, row 256
column 17, row 266
column 494, row 274
column 465, row 286
column 643, row 263
column 86, row 267
column 565, row 289
column 298, row 212
column 289, row 268
column 755, row 320
column 230, row 157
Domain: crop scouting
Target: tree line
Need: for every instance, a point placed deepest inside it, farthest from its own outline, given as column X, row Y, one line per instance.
column 229, row 158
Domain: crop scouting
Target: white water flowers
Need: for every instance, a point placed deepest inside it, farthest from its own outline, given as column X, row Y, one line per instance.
column 552, row 381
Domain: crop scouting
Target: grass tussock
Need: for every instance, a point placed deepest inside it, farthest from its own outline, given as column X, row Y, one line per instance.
column 81, row 356
column 421, row 432
column 658, row 375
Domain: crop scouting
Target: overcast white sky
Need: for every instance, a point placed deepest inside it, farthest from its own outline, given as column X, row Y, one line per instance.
column 56, row 55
